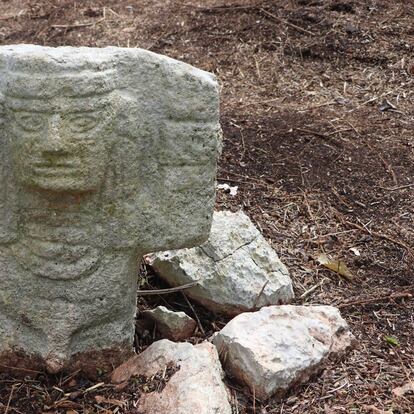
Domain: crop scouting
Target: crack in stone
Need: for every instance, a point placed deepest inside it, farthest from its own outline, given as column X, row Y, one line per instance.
column 231, row 253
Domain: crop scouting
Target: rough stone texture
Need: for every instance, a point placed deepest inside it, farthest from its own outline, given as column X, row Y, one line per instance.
column 172, row 325
column 236, row 268
column 281, row 346
column 196, row 387
column 105, row 155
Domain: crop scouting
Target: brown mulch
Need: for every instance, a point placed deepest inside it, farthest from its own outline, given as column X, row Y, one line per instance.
column 317, row 113
column 74, row 393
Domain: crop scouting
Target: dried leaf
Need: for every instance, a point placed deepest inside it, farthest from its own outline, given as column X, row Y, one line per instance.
column 336, row 266
column 401, row 391
column 392, row 340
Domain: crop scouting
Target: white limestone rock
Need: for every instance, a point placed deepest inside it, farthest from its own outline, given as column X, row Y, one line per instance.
column 236, row 268
column 197, row 386
column 279, row 347
column 176, row 326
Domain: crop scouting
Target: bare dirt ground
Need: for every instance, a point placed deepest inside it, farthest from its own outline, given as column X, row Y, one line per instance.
column 317, row 113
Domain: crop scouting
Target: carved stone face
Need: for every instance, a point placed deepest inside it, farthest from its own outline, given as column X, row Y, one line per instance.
column 106, row 154
column 60, row 144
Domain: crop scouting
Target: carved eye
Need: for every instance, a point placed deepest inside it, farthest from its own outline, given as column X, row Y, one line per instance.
column 30, row 121
column 82, row 122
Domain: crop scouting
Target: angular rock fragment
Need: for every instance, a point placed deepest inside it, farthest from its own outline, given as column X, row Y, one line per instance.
column 281, row 346
column 176, row 326
column 196, row 388
column 236, row 268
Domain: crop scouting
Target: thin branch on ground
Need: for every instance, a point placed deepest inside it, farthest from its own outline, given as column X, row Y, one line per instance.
column 293, row 26
column 386, row 298
column 167, row 290
column 381, row 236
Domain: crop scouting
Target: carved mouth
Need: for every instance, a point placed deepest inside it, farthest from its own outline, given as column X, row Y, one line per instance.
column 55, row 168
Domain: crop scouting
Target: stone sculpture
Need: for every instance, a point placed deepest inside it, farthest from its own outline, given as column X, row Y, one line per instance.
column 105, row 155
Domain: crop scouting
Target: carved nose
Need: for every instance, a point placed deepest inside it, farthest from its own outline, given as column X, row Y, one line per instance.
column 54, row 143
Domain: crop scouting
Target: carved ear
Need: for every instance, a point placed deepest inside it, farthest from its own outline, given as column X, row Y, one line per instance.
column 8, row 213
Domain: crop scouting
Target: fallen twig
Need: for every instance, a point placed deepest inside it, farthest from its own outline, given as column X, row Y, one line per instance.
column 387, row 166
column 195, row 314
column 76, row 25
column 8, row 402
column 381, row 236
column 400, row 187
column 313, row 288
column 224, row 7
column 259, row 102
column 94, row 387
column 71, row 26
column 246, row 177
column 293, row 26
column 362, row 302
column 21, row 369
column 327, row 138
column 13, row 16
column 167, row 290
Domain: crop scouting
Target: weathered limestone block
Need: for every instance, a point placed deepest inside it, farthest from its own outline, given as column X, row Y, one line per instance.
column 281, row 346
column 176, row 326
column 236, row 269
column 105, row 155
column 196, row 387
